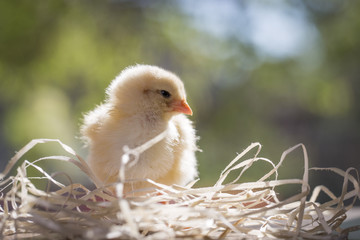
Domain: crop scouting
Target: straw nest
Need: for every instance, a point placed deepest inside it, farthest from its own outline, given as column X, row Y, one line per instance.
column 235, row 210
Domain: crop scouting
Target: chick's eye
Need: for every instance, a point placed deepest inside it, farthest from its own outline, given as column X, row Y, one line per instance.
column 165, row 93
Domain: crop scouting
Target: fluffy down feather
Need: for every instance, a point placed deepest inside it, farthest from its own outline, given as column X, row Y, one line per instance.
column 142, row 102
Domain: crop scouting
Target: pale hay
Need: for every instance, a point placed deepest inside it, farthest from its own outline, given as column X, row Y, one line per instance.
column 235, row 210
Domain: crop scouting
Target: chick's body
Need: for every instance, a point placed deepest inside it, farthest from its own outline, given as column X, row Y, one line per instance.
column 142, row 102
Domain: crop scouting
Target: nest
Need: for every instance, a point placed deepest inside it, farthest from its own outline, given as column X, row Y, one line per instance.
column 233, row 210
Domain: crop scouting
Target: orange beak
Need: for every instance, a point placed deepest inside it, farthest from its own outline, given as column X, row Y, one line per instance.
column 181, row 107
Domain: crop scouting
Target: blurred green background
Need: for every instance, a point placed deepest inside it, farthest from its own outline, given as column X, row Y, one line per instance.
column 274, row 72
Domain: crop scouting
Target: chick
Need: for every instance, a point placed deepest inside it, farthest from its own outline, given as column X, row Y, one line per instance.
column 142, row 102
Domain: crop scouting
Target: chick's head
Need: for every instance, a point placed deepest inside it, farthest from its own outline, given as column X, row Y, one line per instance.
column 150, row 90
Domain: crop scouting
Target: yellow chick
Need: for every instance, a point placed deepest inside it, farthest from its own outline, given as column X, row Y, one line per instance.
column 142, row 102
